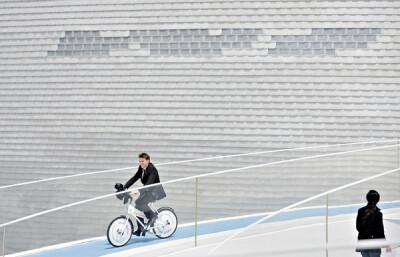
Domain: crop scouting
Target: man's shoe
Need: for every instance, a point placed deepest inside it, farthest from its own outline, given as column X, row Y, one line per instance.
column 139, row 233
column 153, row 220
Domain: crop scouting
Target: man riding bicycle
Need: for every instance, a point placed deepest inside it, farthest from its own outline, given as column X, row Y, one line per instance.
column 148, row 175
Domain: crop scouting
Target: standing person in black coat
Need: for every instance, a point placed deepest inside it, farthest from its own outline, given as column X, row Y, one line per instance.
column 370, row 224
column 148, row 175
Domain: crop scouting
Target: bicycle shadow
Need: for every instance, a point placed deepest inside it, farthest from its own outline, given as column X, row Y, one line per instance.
column 138, row 240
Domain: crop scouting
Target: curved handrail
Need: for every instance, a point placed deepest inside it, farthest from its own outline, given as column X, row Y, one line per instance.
column 194, row 177
column 316, row 247
column 299, row 203
column 193, row 160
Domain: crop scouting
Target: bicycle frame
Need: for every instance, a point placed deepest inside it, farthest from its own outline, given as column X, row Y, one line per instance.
column 132, row 211
column 121, row 228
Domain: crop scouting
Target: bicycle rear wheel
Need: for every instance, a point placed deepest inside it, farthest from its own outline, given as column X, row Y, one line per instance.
column 119, row 231
column 166, row 223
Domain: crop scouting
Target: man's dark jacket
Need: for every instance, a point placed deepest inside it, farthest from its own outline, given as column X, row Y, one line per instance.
column 150, row 177
column 373, row 228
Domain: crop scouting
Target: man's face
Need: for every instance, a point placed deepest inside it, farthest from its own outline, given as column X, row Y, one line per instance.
column 143, row 162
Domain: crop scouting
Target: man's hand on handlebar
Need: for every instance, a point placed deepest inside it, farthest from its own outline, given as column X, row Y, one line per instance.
column 134, row 192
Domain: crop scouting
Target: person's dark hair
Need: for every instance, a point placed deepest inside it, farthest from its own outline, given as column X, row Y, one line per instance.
column 373, row 197
column 144, row 156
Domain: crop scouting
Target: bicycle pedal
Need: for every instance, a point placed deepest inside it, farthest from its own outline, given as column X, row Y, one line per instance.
column 140, row 233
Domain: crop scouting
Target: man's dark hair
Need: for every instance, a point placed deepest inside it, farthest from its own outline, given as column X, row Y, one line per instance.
column 373, row 196
column 144, row 156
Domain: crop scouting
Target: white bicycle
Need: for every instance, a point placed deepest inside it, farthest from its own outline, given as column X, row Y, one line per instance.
column 120, row 230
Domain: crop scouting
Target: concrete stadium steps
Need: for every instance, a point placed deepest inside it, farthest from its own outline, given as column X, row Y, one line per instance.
column 86, row 86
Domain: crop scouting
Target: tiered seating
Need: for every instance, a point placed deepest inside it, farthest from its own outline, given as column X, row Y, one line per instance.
column 86, row 86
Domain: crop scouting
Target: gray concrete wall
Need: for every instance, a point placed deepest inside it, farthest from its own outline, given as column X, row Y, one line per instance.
column 86, row 86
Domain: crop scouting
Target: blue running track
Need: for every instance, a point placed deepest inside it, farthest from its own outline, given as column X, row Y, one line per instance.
column 102, row 247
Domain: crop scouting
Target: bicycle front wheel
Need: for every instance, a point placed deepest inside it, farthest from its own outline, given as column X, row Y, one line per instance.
column 166, row 223
column 119, row 231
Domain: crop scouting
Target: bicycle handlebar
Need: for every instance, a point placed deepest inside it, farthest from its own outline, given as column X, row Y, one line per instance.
column 124, row 196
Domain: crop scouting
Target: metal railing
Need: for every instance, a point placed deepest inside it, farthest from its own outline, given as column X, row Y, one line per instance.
column 384, row 156
column 200, row 160
column 326, row 194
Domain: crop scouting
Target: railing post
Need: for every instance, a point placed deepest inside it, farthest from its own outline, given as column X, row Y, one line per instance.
column 326, row 224
column 4, row 241
column 195, row 219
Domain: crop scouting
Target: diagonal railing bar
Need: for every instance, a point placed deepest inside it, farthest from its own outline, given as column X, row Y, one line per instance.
column 307, row 248
column 192, row 160
column 193, row 177
column 297, row 204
